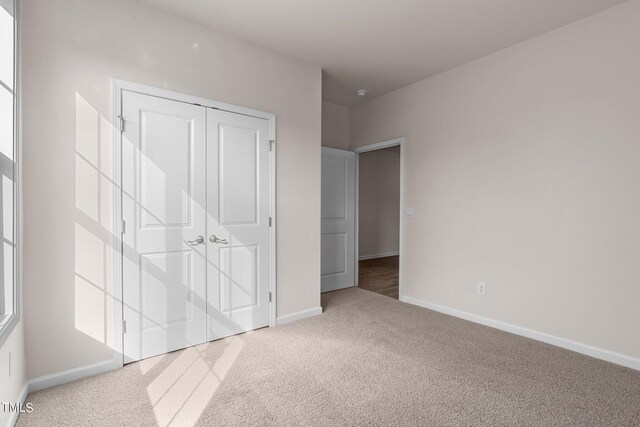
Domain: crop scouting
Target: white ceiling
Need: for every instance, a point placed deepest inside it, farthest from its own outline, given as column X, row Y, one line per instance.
column 382, row 45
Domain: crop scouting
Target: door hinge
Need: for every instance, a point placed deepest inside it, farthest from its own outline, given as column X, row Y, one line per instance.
column 124, row 226
column 271, row 142
column 269, row 296
column 124, row 326
column 270, row 221
column 121, row 123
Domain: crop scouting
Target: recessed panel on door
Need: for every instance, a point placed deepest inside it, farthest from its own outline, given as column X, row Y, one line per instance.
column 238, row 171
column 158, row 309
column 239, row 288
column 335, row 187
column 166, row 170
column 333, row 254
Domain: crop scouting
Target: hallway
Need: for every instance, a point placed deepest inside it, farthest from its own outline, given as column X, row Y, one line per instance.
column 380, row 275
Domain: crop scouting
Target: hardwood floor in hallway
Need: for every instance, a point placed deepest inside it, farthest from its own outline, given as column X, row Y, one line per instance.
column 380, row 275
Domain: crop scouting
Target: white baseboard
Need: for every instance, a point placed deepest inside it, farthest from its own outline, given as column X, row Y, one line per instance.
column 382, row 255
column 22, row 397
column 298, row 316
column 598, row 353
column 64, row 377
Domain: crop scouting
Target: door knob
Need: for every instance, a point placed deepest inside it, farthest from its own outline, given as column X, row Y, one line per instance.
column 214, row 239
column 199, row 240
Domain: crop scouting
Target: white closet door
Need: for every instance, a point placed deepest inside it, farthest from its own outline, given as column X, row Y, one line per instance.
column 238, row 223
column 164, row 199
column 338, row 219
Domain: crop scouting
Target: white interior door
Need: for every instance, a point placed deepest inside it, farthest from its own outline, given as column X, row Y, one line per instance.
column 338, row 219
column 238, row 204
column 163, row 206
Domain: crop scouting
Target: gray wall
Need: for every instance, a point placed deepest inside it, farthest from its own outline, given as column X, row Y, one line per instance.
column 71, row 50
column 379, row 202
column 335, row 126
column 524, row 170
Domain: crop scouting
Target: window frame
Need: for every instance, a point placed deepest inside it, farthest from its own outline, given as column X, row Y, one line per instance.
column 9, row 321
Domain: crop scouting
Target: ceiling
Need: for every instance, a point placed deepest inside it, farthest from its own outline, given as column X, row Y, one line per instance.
column 382, row 45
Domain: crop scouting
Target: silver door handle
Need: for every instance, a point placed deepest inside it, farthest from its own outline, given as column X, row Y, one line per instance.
column 199, row 240
column 214, row 239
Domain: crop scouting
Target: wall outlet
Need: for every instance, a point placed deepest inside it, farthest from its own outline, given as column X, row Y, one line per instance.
column 482, row 288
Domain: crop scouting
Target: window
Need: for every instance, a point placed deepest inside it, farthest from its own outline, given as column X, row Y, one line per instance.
column 8, row 133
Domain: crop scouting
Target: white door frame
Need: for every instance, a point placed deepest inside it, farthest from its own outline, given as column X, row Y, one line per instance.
column 399, row 141
column 118, row 87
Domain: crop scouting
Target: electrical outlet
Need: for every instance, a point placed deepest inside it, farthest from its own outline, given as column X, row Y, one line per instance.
column 482, row 288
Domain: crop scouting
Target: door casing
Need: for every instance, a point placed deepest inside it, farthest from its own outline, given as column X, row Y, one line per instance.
column 118, row 87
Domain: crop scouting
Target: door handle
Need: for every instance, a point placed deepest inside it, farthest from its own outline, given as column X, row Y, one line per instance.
column 199, row 240
column 214, row 239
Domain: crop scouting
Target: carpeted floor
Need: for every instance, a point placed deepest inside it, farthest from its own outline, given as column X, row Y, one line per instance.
column 368, row 360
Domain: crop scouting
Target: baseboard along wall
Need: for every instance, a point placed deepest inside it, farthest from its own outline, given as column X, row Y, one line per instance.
column 283, row 320
column 381, row 255
column 595, row 352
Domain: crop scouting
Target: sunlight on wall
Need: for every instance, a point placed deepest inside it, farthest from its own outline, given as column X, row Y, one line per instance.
column 90, row 295
column 93, row 231
column 87, row 194
column 90, row 309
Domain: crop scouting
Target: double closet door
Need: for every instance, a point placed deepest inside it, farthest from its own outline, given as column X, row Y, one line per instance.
column 196, row 241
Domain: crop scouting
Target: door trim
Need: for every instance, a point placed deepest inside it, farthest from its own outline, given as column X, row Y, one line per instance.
column 399, row 141
column 122, row 85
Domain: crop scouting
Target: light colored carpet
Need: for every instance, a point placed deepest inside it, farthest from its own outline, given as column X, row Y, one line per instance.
column 368, row 360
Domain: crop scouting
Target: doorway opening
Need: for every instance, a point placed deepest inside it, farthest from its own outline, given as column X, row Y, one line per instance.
column 379, row 218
